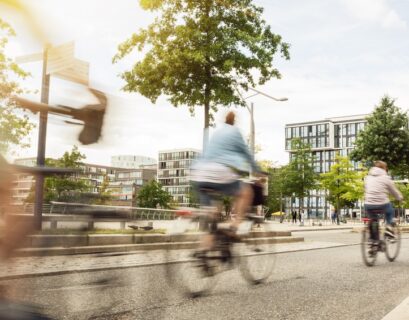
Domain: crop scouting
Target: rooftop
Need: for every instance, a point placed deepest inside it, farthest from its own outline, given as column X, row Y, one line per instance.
column 352, row 118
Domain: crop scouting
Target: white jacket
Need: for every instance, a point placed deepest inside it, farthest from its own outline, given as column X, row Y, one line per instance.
column 378, row 186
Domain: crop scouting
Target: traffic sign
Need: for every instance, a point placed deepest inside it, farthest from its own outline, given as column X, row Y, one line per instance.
column 61, row 63
column 78, row 72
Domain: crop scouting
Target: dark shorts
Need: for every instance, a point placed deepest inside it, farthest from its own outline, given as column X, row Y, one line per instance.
column 209, row 190
column 258, row 198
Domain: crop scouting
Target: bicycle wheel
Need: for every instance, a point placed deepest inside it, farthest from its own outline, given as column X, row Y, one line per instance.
column 256, row 252
column 392, row 245
column 368, row 250
column 188, row 269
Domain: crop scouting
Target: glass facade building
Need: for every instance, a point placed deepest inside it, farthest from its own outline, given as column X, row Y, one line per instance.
column 132, row 161
column 126, row 183
column 122, row 183
column 174, row 172
column 327, row 138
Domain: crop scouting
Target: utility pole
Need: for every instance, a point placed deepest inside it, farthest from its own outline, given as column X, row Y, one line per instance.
column 251, row 110
column 252, row 133
column 58, row 61
column 42, row 137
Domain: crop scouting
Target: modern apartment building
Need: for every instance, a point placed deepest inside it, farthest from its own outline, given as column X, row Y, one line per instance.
column 174, row 172
column 95, row 175
column 132, row 161
column 23, row 182
column 327, row 138
column 126, row 183
column 123, row 183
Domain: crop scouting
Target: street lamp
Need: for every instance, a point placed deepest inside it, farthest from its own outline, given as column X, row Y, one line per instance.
column 251, row 110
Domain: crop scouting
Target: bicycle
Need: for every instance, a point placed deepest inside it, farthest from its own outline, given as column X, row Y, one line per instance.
column 370, row 247
column 195, row 271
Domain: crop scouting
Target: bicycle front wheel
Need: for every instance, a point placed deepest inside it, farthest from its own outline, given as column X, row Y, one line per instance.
column 256, row 253
column 368, row 249
column 392, row 244
column 188, row 268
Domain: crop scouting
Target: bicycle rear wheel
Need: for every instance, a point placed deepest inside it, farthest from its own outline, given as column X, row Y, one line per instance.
column 392, row 245
column 256, row 253
column 188, row 269
column 368, row 249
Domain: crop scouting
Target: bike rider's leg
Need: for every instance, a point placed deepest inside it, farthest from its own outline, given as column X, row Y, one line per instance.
column 208, row 224
column 373, row 222
column 207, row 242
column 390, row 213
column 242, row 202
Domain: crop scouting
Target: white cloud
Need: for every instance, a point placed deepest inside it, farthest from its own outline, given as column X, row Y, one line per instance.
column 338, row 67
column 375, row 11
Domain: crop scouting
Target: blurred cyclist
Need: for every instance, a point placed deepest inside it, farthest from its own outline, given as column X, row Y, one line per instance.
column 378, row 187
column 224, row 160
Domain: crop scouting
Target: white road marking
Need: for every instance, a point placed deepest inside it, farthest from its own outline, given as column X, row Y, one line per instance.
column 401, row 312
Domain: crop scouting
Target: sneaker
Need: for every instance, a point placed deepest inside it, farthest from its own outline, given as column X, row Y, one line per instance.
column 373, row 249
column 389, row 232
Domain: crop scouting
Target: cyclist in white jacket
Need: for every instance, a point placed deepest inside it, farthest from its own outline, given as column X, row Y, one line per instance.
column 378, row 187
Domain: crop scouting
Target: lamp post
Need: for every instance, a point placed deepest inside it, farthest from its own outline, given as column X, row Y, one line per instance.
column 251, row 110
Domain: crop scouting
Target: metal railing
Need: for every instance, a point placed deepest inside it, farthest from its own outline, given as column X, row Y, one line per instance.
column 128, row 212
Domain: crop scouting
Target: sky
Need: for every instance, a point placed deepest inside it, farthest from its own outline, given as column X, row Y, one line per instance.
column 345, row 55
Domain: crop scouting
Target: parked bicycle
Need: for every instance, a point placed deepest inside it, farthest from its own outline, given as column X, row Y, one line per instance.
column 374, row 241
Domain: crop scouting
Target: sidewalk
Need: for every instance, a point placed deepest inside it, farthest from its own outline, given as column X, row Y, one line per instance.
column 59, row 265
column 308, row 226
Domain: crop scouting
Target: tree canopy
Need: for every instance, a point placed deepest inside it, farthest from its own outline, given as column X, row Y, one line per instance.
column 69, row 187
column 198, row 53
column 385, row 137
column 151, row 195
column 300, row 177
column 276, row 189
column 14, row 125
column 344, row 185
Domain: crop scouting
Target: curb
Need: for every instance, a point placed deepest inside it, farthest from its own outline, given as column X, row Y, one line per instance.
column 404, row 229
column 323, row 229
column 142, row 265
column 58, row 251
column 84, row 240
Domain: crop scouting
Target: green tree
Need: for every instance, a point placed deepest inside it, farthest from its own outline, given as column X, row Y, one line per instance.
column 275, row 196
column 69, row 187
column 14, row 125
column 265, row 165
column 385, row 137
column 194, row 199
column 198, row 53
column 104, row 193
column 152, row 194
column 300, row 177
column 344, row 184
column 404, row 189
column 276, row 189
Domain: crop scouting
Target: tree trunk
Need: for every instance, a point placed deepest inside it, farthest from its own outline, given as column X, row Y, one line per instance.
column 207, row 93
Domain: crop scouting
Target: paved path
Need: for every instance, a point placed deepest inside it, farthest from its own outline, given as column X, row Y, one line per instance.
column 309, row 227
column 325, row 284
column 53, row 265
column 401, row 312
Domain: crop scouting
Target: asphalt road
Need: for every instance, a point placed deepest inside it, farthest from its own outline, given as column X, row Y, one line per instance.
column 320, row 284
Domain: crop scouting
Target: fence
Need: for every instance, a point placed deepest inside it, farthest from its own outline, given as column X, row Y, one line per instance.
column 131, row 213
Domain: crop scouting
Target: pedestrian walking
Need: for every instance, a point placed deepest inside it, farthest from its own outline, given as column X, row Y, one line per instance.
column 294, row 216
column 333, row 215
